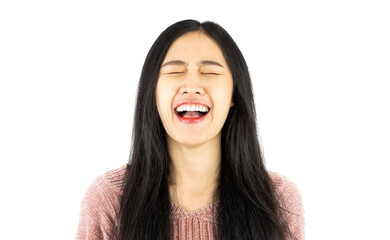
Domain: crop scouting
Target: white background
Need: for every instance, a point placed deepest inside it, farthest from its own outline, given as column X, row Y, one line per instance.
column 320, row 71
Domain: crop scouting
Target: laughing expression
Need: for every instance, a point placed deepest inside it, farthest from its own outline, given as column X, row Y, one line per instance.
column 194, row 90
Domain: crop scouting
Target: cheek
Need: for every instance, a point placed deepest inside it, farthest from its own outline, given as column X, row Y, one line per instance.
column 164, row 96
column 224, row 90
column 160, row 98
column 222, row 97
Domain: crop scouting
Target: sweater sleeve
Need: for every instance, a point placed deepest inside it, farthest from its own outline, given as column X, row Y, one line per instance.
column 98, row 211
column 291, row 202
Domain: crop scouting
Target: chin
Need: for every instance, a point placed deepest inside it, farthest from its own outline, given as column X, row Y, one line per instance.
column 191, row 141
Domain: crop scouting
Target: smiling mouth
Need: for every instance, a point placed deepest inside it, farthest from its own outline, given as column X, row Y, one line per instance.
column 191, row 113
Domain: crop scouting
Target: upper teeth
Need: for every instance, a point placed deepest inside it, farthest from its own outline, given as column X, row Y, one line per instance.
column 192, row 108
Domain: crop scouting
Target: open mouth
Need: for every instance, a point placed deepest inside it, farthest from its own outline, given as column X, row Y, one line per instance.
column 191, row 113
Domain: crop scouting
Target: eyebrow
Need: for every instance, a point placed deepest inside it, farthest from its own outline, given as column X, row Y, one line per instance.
column 204, row 62
column 174, row 62
column 209, row 62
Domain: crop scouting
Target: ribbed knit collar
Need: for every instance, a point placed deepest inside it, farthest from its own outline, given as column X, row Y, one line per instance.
column 204, row 213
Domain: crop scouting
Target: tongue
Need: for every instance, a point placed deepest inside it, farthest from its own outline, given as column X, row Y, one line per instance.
column 192, row 115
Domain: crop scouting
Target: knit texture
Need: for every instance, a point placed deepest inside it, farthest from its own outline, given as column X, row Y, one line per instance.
column 100, row 206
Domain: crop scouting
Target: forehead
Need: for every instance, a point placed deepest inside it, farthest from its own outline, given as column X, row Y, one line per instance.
column 195, row 46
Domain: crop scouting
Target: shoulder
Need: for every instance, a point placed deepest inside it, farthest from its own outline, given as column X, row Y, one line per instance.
column 100, row 205
column 107, row 186
column 284, row 186
column 290, row 199
column 115, row 178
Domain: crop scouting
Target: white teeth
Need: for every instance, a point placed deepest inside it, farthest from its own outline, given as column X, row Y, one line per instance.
column 192, row 108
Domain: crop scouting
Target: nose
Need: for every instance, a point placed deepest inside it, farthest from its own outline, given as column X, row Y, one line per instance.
column 192, row 84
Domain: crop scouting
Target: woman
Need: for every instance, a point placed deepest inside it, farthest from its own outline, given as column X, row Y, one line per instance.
column 196, row 170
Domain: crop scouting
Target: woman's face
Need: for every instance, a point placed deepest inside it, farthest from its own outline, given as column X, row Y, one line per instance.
column 194, row 90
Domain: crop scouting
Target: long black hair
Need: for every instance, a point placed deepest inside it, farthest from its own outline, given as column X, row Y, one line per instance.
column 248, row 206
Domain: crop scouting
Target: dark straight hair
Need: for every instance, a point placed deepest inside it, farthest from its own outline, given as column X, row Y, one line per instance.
column 248, row 207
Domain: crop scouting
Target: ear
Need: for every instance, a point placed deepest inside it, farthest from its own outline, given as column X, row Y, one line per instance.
column 231, row 104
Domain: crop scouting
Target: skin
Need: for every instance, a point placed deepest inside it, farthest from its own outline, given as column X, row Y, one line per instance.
column 194, row 69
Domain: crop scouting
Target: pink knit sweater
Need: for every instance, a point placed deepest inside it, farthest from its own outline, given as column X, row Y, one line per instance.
column 100, row 206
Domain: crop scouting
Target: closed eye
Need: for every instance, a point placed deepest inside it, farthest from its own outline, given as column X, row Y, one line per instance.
column 175, row 72
column 209, row 73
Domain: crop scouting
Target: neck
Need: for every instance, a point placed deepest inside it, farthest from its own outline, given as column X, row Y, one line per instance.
column 194, row 168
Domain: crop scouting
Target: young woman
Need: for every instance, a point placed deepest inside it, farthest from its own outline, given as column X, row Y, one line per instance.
column 196, row 170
